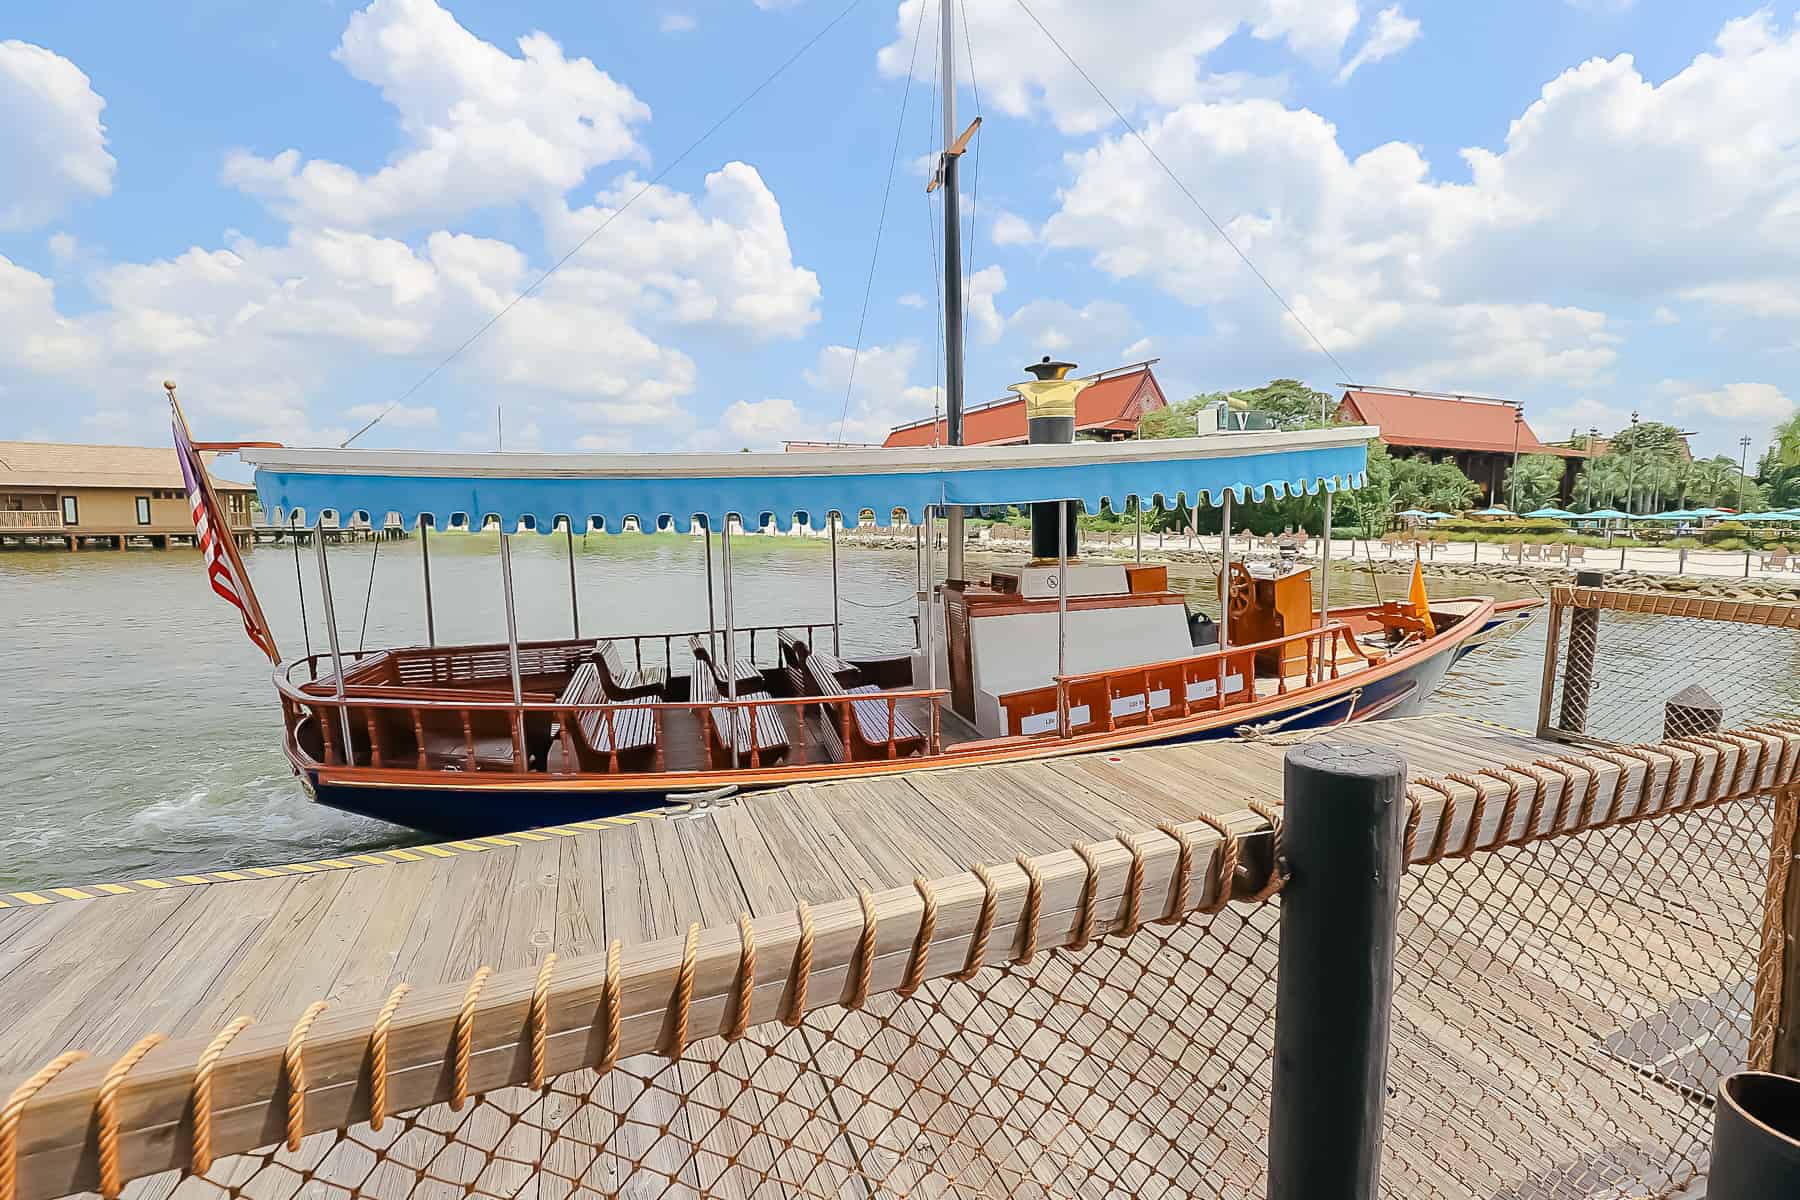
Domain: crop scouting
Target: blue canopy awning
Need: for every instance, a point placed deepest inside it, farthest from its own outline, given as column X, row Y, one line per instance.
column 539, row 488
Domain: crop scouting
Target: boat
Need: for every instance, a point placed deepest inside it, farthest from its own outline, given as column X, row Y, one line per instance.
column 1053, row 656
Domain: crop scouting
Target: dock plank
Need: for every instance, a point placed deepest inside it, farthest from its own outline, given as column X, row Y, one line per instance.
column 184, row 960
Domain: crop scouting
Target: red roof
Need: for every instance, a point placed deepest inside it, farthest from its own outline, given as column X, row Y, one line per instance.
column 1115, row 404
column 1446, row 423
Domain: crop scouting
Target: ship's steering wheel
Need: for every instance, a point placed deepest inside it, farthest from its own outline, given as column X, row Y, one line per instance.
column 1242, row 593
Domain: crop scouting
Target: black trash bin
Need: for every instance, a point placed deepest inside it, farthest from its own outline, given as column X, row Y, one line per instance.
column 1756, row 1138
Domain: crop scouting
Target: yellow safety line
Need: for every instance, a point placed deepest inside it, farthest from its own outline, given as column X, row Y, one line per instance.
column 376, row 858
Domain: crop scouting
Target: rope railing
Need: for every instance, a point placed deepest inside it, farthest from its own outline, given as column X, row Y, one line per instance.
column 439, row 1044
column 179, row 1105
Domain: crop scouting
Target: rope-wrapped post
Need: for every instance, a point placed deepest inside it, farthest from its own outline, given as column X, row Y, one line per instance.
column 1779, row 973
column 1345, row 808
column 1578, row 673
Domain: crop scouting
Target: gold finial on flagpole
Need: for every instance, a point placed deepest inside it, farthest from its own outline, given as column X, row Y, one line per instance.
column 169, row 387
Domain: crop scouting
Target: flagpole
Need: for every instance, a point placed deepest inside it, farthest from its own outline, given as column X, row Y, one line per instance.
column 227, row 537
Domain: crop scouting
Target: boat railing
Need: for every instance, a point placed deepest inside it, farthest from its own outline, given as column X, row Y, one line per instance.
column 1102, row 687
column 318, row 665
column 386, row 744
column 769, row 634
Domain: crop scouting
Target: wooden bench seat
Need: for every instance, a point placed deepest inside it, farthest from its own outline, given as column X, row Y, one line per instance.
column 860, row 729
column 760, row 737
column 794, row 655
column 628, row 683
column 610, row 738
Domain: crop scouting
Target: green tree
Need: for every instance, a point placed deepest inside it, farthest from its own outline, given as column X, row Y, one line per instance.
column 1533, row 482
column 1417, row 482
column 1785, row 446
column 1291, row 403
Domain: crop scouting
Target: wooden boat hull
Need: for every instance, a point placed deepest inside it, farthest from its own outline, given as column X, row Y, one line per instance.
column 480, row 804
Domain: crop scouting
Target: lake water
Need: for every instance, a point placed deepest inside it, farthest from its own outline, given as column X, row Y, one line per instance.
column 139, row 733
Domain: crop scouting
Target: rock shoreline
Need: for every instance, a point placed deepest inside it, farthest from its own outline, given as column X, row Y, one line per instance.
column 1514, row 573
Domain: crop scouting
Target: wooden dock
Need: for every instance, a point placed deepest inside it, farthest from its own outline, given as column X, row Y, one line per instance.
column 1547, row 998
column 185, row 958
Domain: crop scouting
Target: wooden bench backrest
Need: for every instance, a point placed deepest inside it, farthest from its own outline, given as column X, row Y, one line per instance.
column 584, row 686
column 827, row 683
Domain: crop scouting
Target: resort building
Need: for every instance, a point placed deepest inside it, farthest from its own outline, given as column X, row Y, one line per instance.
column 80, row 495
column 1109, row 411
column 1481, row 435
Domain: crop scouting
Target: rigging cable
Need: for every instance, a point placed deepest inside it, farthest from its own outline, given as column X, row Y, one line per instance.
column 610, row 217
column 881, row 223
column 937, row 279
column 975, row 183
column 374, row 560
column 1192, row 199
column 300, row 580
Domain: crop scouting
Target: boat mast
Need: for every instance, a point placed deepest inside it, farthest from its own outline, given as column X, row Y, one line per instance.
column 953, row 321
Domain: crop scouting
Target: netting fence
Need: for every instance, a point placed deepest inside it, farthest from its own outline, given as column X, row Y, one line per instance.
column 1585, row 946
column 1626, row 666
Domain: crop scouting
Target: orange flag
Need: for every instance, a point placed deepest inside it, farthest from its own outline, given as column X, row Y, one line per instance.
column 1421, row 604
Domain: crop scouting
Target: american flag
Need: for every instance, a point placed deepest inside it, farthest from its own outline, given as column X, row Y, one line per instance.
column 223, row 568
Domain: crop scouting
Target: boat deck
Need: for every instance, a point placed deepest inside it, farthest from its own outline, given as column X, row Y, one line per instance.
column 81, row 967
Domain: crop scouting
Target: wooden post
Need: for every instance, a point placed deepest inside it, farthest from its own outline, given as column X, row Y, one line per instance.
column 1692, row 711
column 1345, row 809
column 1756, row 1138
column 1547, row 686
column 1785, row 1058
column 1578, row 669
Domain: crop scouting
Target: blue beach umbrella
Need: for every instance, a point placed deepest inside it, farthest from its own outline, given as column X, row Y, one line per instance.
column 1553, row 514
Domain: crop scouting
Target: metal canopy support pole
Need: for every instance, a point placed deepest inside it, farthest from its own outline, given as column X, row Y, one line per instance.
column 927, row 585
column 1062, row 616
column 574, row 603
column 1325, row 577
column 731, row 687
column 953, row 298
column 712, row 618
column 512, row 644
column 337, row 658
column 837, row 622
column 425, row 560
column 1345, row 808
column 1225, row 580
column 1137, row 503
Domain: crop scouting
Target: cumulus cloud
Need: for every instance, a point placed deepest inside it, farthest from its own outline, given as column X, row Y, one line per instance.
column 979, row 291
column 1609, row 189
column 1393, row 32
column 722, row 257
column 1758, row 403
column 1146, row 53
column 1010, row 229
column 482, row 127
column 52, row 144
column 1044, row 326
column 33, row 335
column 765, row 424
column 281, row 337
column 398, row 416
column 884, row 394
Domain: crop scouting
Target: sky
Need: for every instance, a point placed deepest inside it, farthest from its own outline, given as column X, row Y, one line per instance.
column 312, row 213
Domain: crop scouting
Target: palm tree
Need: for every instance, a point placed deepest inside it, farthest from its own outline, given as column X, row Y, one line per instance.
column 1713, row 481
column 1786, row 439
